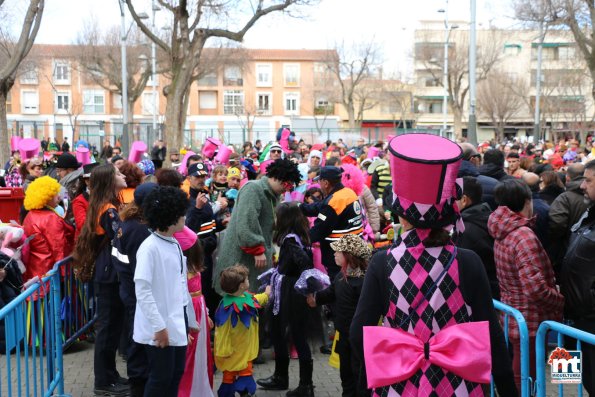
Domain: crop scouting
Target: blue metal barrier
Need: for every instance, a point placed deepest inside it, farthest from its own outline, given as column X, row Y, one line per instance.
column 540, row 354
column 509, row 311
column 77, row 308
column 33, row 358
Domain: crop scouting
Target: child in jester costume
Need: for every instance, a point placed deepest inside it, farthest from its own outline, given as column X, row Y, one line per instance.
column 236, row 332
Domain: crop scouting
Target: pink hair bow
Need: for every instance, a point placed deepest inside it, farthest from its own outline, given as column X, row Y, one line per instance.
column 393, row 355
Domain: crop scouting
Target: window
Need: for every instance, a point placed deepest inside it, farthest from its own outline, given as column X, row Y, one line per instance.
column 233, row 76
column 208, row 80
column 207, row 100
column 62, row 102
column 264, row 102
column 150, row 102
column 61, row 72
column 233, row 102
column 554, row 51
column 93, row 101
column 29, row 75
column 512, row 49
column 264, row 75
column 116, row 101
column 323, row 106
column 430, row 81
column 291, row 72
column 435, row 107
column 9, row 102
column 292, row 103
column 29, row 102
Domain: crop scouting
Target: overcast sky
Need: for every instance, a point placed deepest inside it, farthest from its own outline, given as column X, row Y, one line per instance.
column 388, row 22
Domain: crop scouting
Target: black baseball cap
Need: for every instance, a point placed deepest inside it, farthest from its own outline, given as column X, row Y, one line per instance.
column 197, row 169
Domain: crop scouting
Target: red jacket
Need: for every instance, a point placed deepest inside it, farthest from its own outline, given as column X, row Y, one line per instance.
column 524, row 271
column 79, row 210
column 53, row 241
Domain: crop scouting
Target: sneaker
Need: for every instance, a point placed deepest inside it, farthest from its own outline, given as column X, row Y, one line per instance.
column 326, row 349
column 122, row 381
column 112, row 390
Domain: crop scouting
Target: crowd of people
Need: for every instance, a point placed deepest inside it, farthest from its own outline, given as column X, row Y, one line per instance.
column 417, row 234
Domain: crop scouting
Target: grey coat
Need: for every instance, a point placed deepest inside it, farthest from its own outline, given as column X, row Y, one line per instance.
column 251, row 225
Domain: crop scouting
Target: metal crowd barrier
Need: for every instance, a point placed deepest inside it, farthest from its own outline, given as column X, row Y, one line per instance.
column 509, row 311
column 33, row 365
column 77, row 308
column 540, row 353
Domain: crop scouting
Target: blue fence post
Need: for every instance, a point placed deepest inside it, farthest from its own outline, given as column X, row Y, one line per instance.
column 540, row 353
column 524, row 342
column 59, row 362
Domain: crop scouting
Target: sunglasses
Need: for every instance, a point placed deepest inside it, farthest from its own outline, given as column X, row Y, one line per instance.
column 275, row 151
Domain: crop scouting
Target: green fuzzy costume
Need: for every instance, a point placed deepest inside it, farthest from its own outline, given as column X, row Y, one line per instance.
column 251, row 225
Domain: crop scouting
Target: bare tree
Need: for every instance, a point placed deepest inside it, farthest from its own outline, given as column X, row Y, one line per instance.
column 12, row 52
column 99, row 58
column 430, row 54
column 576, row 15
column 352, row 67
column 501, row 97
column 194, row 23
column 396, row 98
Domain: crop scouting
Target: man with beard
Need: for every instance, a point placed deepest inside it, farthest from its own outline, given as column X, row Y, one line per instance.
column 578, row 276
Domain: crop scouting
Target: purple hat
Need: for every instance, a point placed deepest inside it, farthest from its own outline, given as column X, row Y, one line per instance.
column 424, row 171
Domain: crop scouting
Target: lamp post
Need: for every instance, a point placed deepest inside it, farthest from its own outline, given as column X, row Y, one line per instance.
column 124, row 36
column 447, row 29
column 155, row 8
column 472, row 123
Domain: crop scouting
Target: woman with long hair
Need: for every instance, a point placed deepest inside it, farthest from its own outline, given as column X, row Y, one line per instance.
column 93, row 261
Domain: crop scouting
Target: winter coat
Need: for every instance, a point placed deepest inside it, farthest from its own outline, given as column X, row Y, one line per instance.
column 578, row 270
column 477, row 238
column 53, row 241
column 550, row 193
column 525, row 274
column 372, row 211
column 494, row 171
column 250, row 230
column 488, row 184
column 79, row 210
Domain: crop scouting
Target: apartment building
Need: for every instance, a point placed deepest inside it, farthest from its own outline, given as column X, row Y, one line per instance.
column 53, row 98
column 506, row 88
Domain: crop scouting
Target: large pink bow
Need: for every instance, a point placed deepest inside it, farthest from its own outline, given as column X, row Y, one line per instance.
column 393, row 355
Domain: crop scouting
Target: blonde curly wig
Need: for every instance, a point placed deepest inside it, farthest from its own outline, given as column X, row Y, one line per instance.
column 40, row 192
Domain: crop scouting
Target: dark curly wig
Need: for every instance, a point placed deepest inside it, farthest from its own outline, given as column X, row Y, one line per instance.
column 284, row 170
column 164, row 206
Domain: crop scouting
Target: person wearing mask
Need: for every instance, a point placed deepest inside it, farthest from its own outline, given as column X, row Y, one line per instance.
column 93, row 261
column 424, row 288
column 578, row 276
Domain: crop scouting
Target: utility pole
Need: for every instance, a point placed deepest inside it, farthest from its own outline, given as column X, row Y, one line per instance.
column 537, row 119
column 472, row 122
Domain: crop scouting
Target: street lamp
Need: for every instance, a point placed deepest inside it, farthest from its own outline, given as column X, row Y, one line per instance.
column 447, row 29
column 124, row 36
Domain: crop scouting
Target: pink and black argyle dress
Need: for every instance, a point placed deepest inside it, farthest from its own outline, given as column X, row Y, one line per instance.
column 413, row 271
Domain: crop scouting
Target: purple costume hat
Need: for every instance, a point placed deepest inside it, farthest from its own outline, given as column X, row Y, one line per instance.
column 424, row 172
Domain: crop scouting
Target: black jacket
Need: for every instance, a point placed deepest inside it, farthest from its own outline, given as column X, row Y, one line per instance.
column 494, row 171
column 488, row 184
column 477, row 239
column 550, row 193
column 578, row 270
column 202, row 222
column 345, row 293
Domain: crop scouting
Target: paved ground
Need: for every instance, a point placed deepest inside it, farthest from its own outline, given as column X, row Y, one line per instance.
column 78, row 369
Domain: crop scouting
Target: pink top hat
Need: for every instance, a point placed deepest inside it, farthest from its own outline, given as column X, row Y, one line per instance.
column 182, row 168
column 424, row 171
column 373, row 152
column 223, row 154
column 210, row 146
column 83, row 155
column 29, row 148
column 136, row 151
column 264, row 165
column 14, row 143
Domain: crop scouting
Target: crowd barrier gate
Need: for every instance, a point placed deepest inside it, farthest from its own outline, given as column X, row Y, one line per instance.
column 509, row 311
column 77, row 308
column 32, row 364
column 540, row 353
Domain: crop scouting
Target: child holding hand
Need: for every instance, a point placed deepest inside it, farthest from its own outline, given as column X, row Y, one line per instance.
column 236, row 332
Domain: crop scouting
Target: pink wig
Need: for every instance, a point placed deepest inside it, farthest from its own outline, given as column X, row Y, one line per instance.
column 353, row 178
